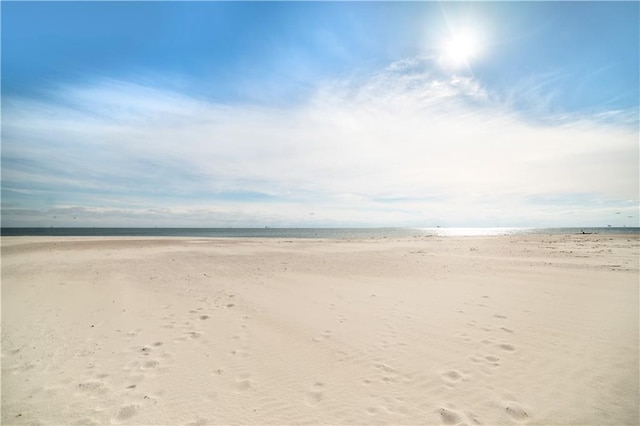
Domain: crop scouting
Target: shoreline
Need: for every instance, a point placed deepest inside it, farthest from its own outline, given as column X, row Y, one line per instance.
column 408, row 238
column 313, row 233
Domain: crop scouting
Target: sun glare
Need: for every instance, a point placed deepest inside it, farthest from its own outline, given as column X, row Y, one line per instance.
column 460, row 49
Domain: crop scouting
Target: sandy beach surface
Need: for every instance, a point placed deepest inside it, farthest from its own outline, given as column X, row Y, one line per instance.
column 528, row 329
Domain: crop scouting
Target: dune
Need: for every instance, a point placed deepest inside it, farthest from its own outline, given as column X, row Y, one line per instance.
column 532, row 329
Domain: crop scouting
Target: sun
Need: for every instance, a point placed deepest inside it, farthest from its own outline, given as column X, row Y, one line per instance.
column 461, row 49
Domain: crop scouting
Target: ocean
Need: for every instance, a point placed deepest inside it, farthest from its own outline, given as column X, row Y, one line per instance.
column 330, row 233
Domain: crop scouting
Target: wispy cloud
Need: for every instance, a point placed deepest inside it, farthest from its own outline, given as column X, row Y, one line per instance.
column 404, row 146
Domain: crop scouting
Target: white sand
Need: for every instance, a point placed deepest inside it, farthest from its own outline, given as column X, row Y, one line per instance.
column 475, row 330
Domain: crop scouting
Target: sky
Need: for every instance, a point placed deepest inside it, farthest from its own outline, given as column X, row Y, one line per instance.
column 320, row 114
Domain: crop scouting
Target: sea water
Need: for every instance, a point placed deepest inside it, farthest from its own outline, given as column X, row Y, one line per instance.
column 330, row 233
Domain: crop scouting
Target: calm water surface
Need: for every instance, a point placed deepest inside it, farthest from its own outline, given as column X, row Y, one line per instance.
column 305, row 232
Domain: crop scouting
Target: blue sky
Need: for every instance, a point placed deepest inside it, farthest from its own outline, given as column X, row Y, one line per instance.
column 320, row 114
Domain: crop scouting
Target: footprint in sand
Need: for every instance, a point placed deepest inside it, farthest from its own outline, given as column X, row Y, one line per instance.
column 372, row 411
column 194, row 334
column 464, row 336
column 388, row 373
column 134, row 333
column 244, row 383
column 322, row 336
column 451, row 377
column 169, row 325
column 493, row 360
column 506, row 347
column 200, row 422
column 150, row 364
column 86, row 421
column 127, row 412
column 475, row 419
column 92, row 387
column 450, row 417
column 244, row 352
column 14, row 351
column 384, row 367
column 516, row 411
column 316, row 394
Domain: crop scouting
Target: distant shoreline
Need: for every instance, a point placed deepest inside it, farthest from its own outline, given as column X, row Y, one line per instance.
column 331, row 233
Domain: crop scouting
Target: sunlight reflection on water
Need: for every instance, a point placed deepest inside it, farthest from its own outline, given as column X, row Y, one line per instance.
column 472, row 232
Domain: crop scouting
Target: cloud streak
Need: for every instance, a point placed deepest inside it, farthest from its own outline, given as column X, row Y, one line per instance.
column 404, row 146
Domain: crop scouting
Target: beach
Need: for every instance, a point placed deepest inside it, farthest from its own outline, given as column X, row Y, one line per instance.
column 520, row 329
